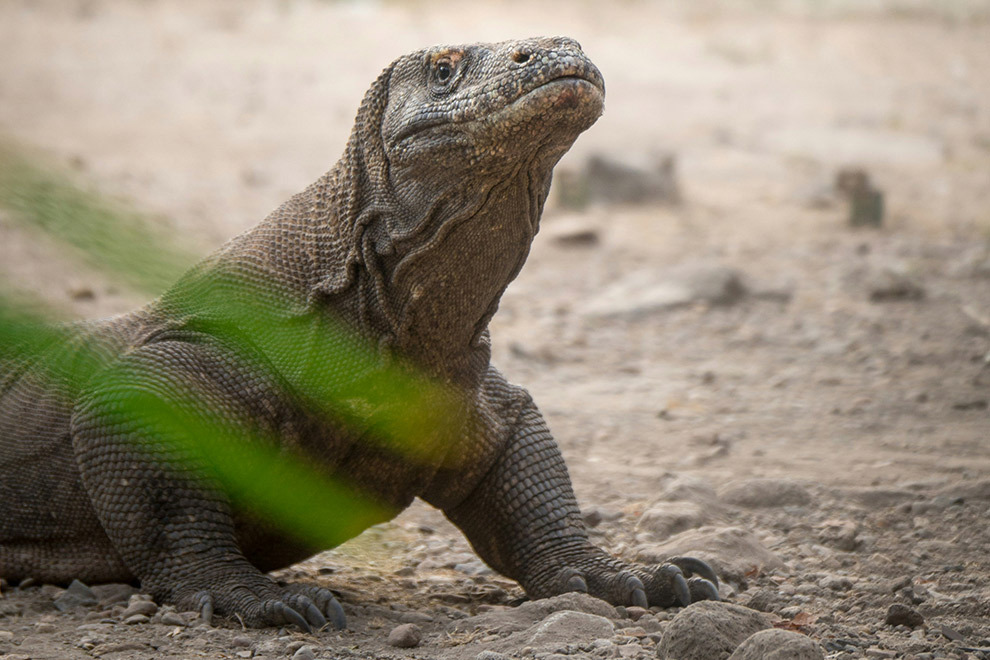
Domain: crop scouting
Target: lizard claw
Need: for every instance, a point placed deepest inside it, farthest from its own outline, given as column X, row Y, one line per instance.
column 205, row 606
column 289, row 615
column 691, row 566
column 702, row 589
column 677, row 582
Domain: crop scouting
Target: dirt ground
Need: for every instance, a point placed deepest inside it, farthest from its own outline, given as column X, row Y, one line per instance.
column 818, row 427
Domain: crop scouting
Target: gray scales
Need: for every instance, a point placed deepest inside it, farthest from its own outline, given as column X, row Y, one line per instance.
column 410, row 240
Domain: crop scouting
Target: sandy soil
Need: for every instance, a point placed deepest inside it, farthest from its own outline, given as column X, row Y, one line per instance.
column 851, row 378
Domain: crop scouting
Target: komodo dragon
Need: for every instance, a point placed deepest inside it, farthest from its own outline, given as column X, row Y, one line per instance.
column 410, row 240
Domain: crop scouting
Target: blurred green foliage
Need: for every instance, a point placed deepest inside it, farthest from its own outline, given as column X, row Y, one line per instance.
column 348, row 382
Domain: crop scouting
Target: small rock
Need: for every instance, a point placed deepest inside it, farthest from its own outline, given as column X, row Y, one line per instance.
column 709, row 630
column 77, row 595
column 172, row 619
column 304, row 652
column 415, row 617
column 865, row 201
column 6, row 636
column 902, row 615
column 405, row 636
column 44, row 627
column 242, row 641
column 140, row 606
column 113, row 593
column 667, row 518
column 765, row 493
column 244, row 654
column 892, row 285
column 491, row 655
column 774, row 644
column 635, row 613
column 570, row 627
column 835, row 583
column 136, row 618
column 840, row 534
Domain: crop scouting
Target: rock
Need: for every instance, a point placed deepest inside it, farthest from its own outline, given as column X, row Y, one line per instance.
column 666, row 518
column 835, row 583
column 691, row 489
column 645, row 292
column 172, row 619
column 415, row 617
column 765, row 493
column 840, row 534
column 776, row 644
column 574, row 231
column 902, row 615
column 569, row 627
column 242, row 641
column 893, row 285
column 709, row 630
column 763, row 600
column 731, row 551
column 865, row 201
column 491, row 655
column 44, row 627
column 113, row 593
column 77, row 595
column 305, row 652
column 636, row 179
column 515, row 619
column 135, row 619
column 405, row 636
column 138, row 606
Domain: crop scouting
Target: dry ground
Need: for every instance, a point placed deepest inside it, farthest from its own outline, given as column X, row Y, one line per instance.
column 210, row 114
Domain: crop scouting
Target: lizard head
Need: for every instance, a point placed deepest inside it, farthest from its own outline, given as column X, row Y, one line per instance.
column 454, row 121
column 490, row 105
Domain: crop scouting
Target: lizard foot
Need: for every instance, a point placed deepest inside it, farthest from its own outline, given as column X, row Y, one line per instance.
column 307, row 607
column 678, row 581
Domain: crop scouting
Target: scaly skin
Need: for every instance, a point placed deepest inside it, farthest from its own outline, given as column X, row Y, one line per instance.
column 410, row 240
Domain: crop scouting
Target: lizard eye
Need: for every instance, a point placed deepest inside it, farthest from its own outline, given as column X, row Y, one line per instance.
column 444, row 71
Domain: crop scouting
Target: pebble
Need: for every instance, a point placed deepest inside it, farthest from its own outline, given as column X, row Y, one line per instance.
column 491, row 655
column 774, row 644
column 77, row 595
column 140, row 606
column 304, row 652
column 707, row 629
column 6, row 636
column 44, row 627
column 242, row 641
column 173, row 619
column 136, row 618
column 405, row 636
column 901, row 615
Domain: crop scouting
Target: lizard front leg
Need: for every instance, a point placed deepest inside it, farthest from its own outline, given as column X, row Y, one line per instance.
column 522, row 518
column 134, row 437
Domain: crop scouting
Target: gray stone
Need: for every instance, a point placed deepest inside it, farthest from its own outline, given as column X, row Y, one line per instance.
column 840, row 534
column 405, row 636
column 77, row 595
column 145, row 607
column 646, row 292
column 172, row 619
column 305, row 652
column 135, row 619
column 899, row 614
column 776, row 644
column 515, row 619
column 491, row 655
column 709, row 630
column 765, row 493
column 667, row 518
column 570, row 627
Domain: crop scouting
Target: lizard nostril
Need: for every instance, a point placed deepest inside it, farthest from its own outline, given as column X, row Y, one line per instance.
column 520, row 57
